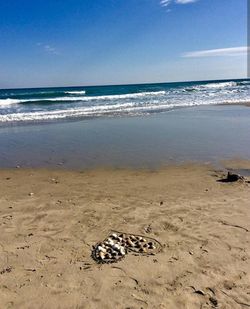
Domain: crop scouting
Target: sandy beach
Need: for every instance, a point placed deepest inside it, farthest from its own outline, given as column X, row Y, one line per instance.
column 124, row 154
column 50, row 219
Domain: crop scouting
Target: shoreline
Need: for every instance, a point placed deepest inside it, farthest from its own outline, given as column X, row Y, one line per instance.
column 111, row 116
column 50, row 219
column 195, row 134
column 247, row 104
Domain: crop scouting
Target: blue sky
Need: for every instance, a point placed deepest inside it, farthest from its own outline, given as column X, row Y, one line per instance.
column 88, row 42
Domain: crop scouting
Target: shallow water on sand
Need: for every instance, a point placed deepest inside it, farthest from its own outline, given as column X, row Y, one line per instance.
column 207, row 133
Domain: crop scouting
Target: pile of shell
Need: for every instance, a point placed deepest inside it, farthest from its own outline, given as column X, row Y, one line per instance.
column 117, row 245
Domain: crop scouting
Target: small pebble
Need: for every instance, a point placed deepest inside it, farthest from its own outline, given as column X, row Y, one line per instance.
column 213, row 301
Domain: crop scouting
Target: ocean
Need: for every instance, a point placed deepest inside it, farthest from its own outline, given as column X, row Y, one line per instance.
column 52, row 104
column 125, row 126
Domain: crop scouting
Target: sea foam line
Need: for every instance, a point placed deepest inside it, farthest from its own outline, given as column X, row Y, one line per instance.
column 76, row 92
column 115, row 109
column 211, row 86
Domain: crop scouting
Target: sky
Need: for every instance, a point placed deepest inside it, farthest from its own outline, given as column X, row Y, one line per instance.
column 97, row 42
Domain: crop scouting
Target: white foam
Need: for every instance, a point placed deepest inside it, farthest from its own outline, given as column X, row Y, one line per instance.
column 115, row 109
column 221, row 85
column 60, row 114
column 110, row 97
column 8, row 101
column 121, row 104
column 76, row 92
column 212, row 86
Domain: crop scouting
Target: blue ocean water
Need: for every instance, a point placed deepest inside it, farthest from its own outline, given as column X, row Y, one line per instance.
column 48, row 104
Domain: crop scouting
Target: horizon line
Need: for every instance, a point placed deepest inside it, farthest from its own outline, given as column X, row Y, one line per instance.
column 129, row 84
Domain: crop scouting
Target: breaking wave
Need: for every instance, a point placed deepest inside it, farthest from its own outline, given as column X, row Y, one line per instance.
column 62, row 103
column 131, row 109
column 76, row 92
column 9, row 101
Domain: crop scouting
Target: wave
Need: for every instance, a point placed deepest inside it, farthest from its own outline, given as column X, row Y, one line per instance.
column 110, row 97
column 220, row 85
column 9, row 101
column 39, row 105
column 212, row 86
column 76, row 92
column 245, row 82
column 132, row 109
column 39, row 94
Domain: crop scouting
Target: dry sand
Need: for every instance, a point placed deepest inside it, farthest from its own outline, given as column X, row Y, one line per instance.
column 49, row 221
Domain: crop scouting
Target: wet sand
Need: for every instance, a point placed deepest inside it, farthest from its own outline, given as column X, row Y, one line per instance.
column 49, row 220
column 205, row 133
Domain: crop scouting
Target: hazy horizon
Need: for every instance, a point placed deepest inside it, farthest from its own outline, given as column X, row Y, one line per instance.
column 130, row 84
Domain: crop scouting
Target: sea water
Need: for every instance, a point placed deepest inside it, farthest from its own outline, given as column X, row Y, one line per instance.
column 52, row 104
column 119, row 126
